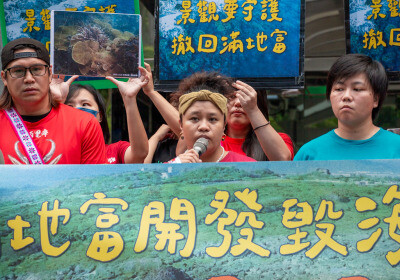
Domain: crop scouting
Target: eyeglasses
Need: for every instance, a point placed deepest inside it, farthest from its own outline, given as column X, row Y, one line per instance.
column 17, row 72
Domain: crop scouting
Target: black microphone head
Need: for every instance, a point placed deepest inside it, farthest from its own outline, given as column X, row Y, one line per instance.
column 200, row 146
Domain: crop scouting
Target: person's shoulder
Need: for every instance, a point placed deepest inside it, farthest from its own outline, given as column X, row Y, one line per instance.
column 284, row 135
column 320, row 139
column 309, row 149
column 3, row 116
column 235, row 157
column 119, row 144
column 388, row 135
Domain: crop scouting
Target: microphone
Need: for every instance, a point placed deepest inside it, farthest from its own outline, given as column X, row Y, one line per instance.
column 200, row 146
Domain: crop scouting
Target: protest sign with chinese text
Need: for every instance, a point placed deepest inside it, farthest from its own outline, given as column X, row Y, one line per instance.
column 265, row 220
column 258, row 41
column 373, row 29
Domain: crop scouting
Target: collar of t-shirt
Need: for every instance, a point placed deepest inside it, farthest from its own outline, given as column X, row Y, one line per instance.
column 33, row 119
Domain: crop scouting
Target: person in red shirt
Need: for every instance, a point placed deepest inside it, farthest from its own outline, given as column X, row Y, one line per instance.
column 203, row 115
column 86, row 98
column 248, row 130
column 52, row 133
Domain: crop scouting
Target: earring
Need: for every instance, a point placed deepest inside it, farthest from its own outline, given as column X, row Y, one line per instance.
column 223, row 137
column 181, row 135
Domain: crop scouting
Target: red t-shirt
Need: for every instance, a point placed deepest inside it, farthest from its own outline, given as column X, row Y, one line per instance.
column 235, row 144
column 64, row 136
column 235, row 157
column 116, row 152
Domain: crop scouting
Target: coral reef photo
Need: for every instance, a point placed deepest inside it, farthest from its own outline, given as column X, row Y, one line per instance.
column 95, row 44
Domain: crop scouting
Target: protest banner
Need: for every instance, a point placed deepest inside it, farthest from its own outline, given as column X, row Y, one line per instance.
column 263, row 220
column 259, row 42
column 373, row 29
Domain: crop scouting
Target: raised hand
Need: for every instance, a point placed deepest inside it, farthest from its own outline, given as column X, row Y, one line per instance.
column 247, row 96
column 149, row 88
column 59, row 89
column 132, row 86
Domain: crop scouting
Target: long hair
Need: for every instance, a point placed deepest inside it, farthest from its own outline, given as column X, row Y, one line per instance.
column 251, row 146
column 74, row 89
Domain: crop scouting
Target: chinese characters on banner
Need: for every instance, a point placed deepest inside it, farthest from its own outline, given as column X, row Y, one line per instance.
column 32, row 18
column 106, row 246
column 247, row 216
column 240, row 38
column 374, row 30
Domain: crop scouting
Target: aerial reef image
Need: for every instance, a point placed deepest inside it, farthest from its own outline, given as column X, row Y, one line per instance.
column 96, row 44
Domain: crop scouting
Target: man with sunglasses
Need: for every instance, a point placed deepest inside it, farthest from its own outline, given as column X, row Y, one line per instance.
column 34, row 129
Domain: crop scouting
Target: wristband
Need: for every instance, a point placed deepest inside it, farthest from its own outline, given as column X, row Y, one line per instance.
column 261, row 126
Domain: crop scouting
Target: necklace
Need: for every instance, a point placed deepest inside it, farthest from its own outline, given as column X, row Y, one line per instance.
column 221, row 156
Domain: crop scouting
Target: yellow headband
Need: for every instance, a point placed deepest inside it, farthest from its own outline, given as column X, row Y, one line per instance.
column 186, row 100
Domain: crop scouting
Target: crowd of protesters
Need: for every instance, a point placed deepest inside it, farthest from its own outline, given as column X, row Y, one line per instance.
column 46, row 120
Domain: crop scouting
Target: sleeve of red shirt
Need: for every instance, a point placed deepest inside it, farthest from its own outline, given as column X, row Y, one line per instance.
column 288, row 142
column 117, row 150
column 93, row 146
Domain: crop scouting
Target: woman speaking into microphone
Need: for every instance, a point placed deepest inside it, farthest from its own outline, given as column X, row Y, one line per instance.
column 202, row 121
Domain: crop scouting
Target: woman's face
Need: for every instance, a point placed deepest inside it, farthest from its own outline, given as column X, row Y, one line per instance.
column 236, row 117
column 203, row 119
column 84, row 99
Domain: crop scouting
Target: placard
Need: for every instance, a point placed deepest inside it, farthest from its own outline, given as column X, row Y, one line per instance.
column 33, row 19
column 373, row 29
column 260, row 42
column 95, row 44
column 262, row 220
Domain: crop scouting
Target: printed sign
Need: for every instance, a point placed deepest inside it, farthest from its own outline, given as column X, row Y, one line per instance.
column 265, row 220
column 33, row 19
column 95, row 44
column 373, row 28
column 257, row 41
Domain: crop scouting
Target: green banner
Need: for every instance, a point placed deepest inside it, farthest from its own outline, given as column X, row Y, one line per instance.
column 266, row 220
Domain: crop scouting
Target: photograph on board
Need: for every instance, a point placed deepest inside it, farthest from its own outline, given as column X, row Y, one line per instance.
column 95, row 44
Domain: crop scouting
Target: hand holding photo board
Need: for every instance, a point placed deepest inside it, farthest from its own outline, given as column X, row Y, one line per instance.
column 95, row 44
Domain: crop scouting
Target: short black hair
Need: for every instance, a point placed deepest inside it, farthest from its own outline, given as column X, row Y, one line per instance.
column 75, row 88
column 350, row 65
